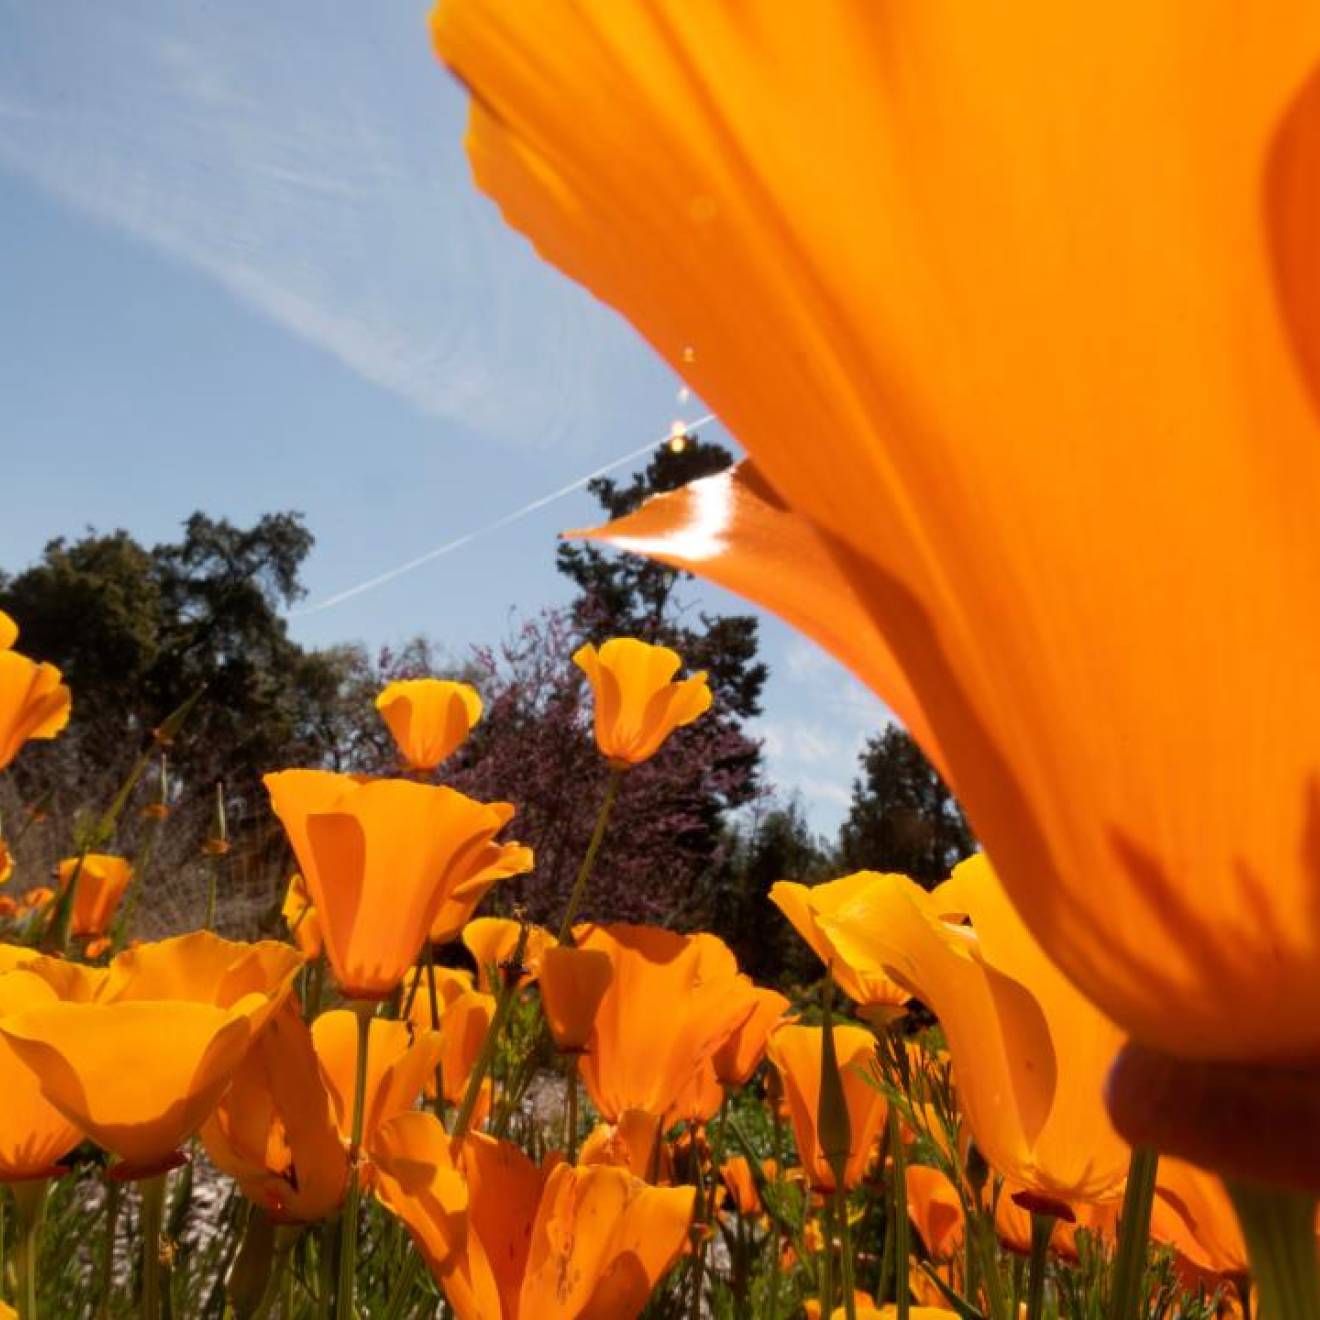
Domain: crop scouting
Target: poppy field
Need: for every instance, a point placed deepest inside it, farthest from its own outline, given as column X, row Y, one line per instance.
column 1015, row 316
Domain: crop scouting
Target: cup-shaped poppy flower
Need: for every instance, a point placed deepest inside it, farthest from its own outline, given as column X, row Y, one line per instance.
column 379, row 857
column 1192, row 1213
column 573, row 982
column 34, row 703
column 1006, row 356
column 736, row 1174
column 463, row 1027
column 796, row 1053
column 935, row 1208
column 739, row 1057
column 672, row 1001
column 8, row 631
column 1029, row 1051
column 510, row 1241
column 102, row 879
column 399, row 1064
column 300, row 916
column 428, row 718
column 101, row 1060
column 33, row 1133
column 492, row 942
column 638, row 702
column 878, row 998
column 492, row 863
column 274, row 1131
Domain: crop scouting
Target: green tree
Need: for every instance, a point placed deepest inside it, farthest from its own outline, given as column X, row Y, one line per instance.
column 902, row 816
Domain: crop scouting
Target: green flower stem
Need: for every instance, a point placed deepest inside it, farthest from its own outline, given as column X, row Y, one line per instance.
column 434, row 995
column 571, row 1080
column 898, row 1206
column 1279, row 1228
column 589, row 858
column 349, row 1219
column 1042, row 1229
column 699, row 1229
column 845, row 1254
column 1125, row 1299
column 107, row 1272
column 153, row 1271
column 827, row 1260
column 30, row 1211
column 503, row 1007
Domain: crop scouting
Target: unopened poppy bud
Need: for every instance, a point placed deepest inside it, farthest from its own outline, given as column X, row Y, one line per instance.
column 833, row 1127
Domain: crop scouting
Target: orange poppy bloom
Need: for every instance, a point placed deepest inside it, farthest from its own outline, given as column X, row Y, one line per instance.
column 878, row 998
column 399, row 1064
column 739, row 1057
column 736, row 1174
column 8, row 631
column 6, row 862
column 635, row 1142
column 450, row 982
column 97, row 1050
column 573, row 982
column 672, row 1001
column 428, row 718
column 34, row 703
column 795, row 1053
column 300, row 917
column 638, row 703
column 1000, row 397
column 492, row 941
column 34, row 1134
column 463, row 1026
column 936, row 1210
column 1029, row 1052
column 379, row 858
column 509, row 1241
column 275, row 1131
column 36, row 898
column 494, row 862
column 1192, row 1213
column 102, row 880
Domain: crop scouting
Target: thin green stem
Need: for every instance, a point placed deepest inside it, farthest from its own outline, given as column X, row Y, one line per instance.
column 403, row 1287
column 898, row 1205
column 153, row 1272
column 30, row 1211
column 107, row 1270
column 1279, row 1228
column 571, row 1080
column 845, row 1254
column 503, row 1007
column 699, row 1219
column 827, row 1260
column 349, row 1220
column 1042, row 1229
column 589, row 859
column 1125, row 1298
column 434, row 996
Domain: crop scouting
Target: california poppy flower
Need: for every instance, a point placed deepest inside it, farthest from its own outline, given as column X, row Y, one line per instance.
column 464, row 1025
column 573, row 982
column 1192, row 1213
column 795, row 1053
column 275, row 1131
column 981, row 410
column 672, row 1001
column 634, row 1141
column 102, row 879
column 300, row 917
column 739, row 1057
column 97, row 1050
column 878, row 998
column 492, row 942
column 34, row 703
column 8, row 631
column 379, row 858
column 638, row 702
column 736, row 1174
column 494, row 862
column 450, row 982
column 34, row 1134
column 509, row 1241
column 936, row 1209
column 6, row 861
column 428, row 718
column 1029, row 1052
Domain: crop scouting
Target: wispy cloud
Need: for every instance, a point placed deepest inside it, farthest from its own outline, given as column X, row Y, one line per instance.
column 310, row 160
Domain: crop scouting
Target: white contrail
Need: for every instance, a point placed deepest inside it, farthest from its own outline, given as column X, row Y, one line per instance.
column 390, row 574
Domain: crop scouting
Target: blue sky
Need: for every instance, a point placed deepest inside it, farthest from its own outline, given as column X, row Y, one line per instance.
column 243, row 268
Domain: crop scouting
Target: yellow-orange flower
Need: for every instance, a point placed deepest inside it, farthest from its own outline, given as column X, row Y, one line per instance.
column 672, row 1001
column 936, row 1209
column 573, row 982
column 300, row 917
column 633, row 1142
column 638, row 703
column 1029, row 1052
column 8, row 631
column 379, row 858
column 496, row 861
column 34, row 703
column 1193, row 1214
column 739, row 1057
column 400, row 1062
column 98, row 1054
column 33, row 1133
column 275, row 1133
column 463, row 1027
column 1006, row 356
column 6, row 861
column 795, row 1053
column 509, row 1241
column 878, row 998
column 102, row 879
column 428, row 718
column 450, row 982
column 492, row 942
column 736, row 1174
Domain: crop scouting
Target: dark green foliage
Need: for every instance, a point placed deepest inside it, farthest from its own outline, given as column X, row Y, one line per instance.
column 902, row 817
